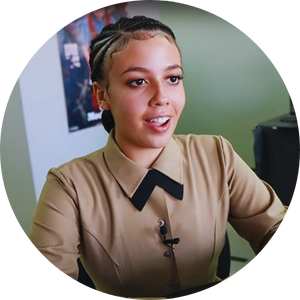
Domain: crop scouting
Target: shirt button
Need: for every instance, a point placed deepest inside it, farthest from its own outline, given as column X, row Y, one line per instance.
column 160, row 223
column 171, row 283
column 167, row 254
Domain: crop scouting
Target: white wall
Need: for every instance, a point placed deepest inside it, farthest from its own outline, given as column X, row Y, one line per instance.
column 35, row 134
column 49, row 141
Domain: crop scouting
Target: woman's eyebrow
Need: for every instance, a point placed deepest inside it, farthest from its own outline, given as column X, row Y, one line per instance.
column 145, row 70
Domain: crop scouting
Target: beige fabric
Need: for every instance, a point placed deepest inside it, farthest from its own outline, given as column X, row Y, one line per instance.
column 84, row 210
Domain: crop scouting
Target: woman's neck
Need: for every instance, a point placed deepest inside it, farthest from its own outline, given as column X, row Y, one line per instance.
column 142, row 156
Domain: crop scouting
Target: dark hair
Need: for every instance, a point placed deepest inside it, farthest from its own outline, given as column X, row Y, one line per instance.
column 113, row 38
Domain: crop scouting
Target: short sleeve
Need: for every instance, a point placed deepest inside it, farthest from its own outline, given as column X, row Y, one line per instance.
column 55, row 229
column 255, row 209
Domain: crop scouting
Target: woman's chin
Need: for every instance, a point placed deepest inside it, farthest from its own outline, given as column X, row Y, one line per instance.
column 159, row 142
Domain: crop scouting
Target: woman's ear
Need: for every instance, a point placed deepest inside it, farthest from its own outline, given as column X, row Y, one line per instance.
column 101, row 96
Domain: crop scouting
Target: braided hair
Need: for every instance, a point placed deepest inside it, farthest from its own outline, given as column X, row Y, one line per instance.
column 113, row 38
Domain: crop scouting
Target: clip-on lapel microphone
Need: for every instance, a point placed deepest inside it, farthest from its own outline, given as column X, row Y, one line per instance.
column 167, row 242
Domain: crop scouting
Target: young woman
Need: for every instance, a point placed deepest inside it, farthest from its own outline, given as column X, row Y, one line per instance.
column 147, row 214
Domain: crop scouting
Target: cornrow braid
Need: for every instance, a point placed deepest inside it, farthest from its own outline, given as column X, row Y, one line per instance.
column 113, row 38
column 100, row 47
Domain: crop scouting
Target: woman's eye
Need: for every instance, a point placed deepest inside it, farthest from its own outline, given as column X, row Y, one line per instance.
column 137, row 82
column 174, row 79
column 141, row 81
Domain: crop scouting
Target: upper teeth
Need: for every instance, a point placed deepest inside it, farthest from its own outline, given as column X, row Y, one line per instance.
column 160, row 120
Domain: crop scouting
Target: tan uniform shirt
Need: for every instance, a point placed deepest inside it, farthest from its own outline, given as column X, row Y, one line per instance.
column 84, row 210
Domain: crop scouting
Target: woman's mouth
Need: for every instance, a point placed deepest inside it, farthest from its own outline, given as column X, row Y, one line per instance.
column 160, row 124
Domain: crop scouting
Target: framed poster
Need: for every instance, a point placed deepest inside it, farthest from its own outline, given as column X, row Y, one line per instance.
column 74, row 41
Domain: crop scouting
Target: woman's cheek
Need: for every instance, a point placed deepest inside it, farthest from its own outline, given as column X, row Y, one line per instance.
column 131, row 106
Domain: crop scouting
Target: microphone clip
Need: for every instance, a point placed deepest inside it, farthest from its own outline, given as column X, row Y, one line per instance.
column 167, row 242
column 171, row 241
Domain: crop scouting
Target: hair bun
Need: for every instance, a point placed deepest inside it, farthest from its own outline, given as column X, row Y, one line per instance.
column 108, row 120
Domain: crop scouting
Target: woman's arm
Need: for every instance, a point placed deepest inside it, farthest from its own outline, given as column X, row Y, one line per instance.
column 270, row 237
column 255, row 209
column 55, row 227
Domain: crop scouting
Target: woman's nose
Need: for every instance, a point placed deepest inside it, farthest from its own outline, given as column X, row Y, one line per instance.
column 159, row 95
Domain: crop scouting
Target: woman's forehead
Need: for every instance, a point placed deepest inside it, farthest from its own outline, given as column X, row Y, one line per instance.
column 159, row 40
column 151, row 51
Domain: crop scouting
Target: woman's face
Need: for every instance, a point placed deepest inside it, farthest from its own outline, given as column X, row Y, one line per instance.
column 146, row 93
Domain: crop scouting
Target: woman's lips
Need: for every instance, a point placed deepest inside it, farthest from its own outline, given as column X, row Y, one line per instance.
column 159, row 125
